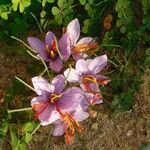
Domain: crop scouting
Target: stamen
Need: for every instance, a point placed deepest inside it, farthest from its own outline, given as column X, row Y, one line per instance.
column 54, row 97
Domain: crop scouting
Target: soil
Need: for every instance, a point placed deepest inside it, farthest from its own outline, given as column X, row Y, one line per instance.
column 103, row 130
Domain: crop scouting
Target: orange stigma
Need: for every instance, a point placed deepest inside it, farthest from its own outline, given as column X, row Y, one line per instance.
column 53, row 50
column 70, row 124
column 83, row 47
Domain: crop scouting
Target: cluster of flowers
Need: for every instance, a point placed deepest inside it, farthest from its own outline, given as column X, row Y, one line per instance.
column 55, row 104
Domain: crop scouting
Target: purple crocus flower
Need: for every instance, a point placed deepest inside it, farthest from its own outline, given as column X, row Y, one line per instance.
column 69, row 122
column 86, row 73
column 52, row 101
column 49, row 51
column 84, row 44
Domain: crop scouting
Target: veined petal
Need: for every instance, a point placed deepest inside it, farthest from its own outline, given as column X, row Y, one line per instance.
column 73, row 29
column 71, row 75
column 58, row 83
column 97, row 64
column 58, row 129
column 82, row 66
column 77, row 56
column 39, row 47
column 70, row 99
column 49, row 38
column 102, row 80
column 64, row 46
column 86, row 40
column 42, row 86
column 49, row 115
column 56, row 64
column 81, row 115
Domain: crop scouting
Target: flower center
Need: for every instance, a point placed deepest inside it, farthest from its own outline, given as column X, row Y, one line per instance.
column 70, row 124
column 88, row 79
column 53, row 50
column 54, row 97
column 79, row 48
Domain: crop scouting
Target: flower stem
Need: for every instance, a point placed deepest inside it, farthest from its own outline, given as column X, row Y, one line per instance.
column 18, row 110
column 32, row 55
column 36, row 22
column 25, row 83
column 45, row 67
column 23, row 43
column 36, row 129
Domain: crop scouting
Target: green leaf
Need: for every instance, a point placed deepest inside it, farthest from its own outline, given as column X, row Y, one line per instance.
column 60, row 3
column 147, row 51
column 28, row 127
column 50, row 1
column 14, row 140
column 55, row 11
column 82, row 2
column 15, row 4
column 28, row 137
column 22, row 146
column 91, row 1
column 147, row 60
column 4, row 15
column 21, row 7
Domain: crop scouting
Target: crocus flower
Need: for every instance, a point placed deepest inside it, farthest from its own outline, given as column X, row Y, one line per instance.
column 49, row 51
column 86, row 73
column 52, row 101
column 84, row 44
column 69, row 122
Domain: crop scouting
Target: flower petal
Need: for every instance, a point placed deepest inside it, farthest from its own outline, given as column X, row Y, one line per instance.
column 58, row 83
column 86, row 40
column 64, row 47
column 73, row 29
column 77, row 56
column 81, row 115
column 39, row 47
column 49, row 38
column 82, row 66
column 42, row 86
column 102, row 80
column 56, row 64
column 59, row 129
column 48, row 116
column 70, row 99
column 97, row 64
column 71, row 75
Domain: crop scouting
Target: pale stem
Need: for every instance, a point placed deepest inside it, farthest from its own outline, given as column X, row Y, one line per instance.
column 36, row 129
column 18, row 110
column 25, row 83
column 32, row 55
column 36, row 22
column 45, row 67
column 23, row 43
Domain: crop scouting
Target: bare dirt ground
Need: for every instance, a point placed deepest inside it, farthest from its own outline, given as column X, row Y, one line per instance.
column 103, row 130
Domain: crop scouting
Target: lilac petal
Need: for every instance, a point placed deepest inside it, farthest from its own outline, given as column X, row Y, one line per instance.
column 49, row 38
column 59, row 129
column 82, row 66
column 71, row 75
column 102, row 80
column 56, row 64
column 97, row 64
column 39, row 47
column 77, row 56
column 91, row 87
column 49, row 115
column 81, row 115
column 38, row 103
column 86, row 40
column 42, row 86
column 58, row 83
column 73, row 29
column 64, row 47
column 70, row 99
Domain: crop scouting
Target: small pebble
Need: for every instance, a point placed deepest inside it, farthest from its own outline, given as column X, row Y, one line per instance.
column 93, row 114
column 129, row 133
column 94, row 126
